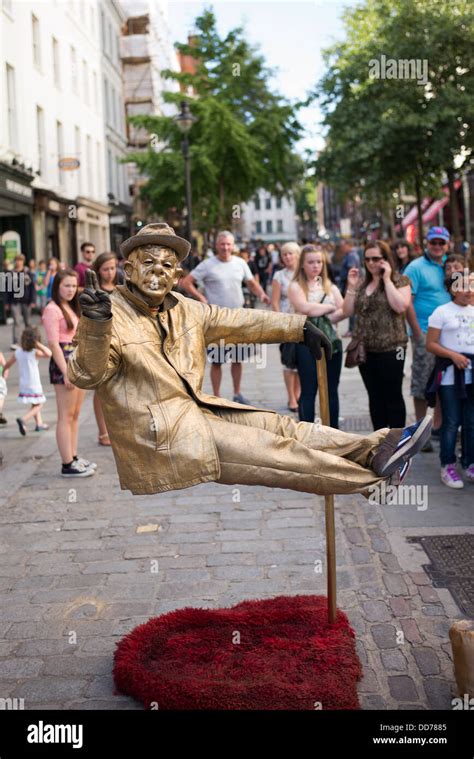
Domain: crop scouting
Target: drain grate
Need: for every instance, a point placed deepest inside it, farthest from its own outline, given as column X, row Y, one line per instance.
column 452, row 566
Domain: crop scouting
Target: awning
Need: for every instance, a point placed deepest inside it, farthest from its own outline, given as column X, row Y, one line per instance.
column 437, row 205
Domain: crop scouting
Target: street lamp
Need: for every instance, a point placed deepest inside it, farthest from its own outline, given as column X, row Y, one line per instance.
column 185, row 120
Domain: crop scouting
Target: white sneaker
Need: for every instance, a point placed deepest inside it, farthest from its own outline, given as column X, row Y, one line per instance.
column 86, row 463
column 76, row 470
column 450, row 477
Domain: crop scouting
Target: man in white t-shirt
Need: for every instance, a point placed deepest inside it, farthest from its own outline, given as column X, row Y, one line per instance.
column 222, row 277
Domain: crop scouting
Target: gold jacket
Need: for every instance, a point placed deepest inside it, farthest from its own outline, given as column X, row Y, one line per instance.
column 148, row 371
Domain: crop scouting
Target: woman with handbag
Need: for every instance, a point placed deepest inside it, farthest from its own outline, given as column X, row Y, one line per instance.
column 312, row 293
column 289, row 256
column 378, row 346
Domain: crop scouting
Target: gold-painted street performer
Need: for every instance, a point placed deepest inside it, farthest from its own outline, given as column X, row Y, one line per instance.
column 144, row 349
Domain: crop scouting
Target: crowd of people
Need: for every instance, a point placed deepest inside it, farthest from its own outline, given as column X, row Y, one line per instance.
column 391, row 294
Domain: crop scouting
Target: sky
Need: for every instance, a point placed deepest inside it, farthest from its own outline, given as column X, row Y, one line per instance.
column 291, row 36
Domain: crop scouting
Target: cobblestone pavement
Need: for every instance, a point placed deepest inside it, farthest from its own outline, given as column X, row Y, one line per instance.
column 83, row 563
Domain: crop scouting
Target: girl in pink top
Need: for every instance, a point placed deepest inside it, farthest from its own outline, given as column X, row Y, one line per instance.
column 60, row 319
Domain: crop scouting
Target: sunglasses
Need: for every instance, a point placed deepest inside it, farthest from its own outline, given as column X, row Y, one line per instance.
column 373, row 258
column 437, row 243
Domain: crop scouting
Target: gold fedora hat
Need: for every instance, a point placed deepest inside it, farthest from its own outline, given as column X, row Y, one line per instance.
column 157, row 233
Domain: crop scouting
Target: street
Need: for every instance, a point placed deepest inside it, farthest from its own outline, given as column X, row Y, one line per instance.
column 83, row 563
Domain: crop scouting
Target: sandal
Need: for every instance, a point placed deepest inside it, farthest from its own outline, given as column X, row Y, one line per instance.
column 41, row 427
column 105, row 437
column 294, row 409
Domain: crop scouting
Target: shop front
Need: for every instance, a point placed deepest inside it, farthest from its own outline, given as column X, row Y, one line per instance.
column 16, row 212
column 92, row 225
column 55, row 227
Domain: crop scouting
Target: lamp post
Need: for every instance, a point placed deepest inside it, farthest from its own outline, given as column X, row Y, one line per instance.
column 185, row 120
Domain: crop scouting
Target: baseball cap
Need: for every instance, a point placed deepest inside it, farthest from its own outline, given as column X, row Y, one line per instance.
column 438, row 233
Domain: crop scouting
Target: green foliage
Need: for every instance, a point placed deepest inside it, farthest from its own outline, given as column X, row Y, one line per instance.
column 243, row 137
column 381, row 132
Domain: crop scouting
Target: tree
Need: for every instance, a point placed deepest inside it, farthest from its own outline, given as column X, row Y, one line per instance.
column 385, row 131
column 243, row 137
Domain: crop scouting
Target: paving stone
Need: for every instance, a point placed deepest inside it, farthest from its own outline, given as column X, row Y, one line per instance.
column 395, row 584
column 360, row 555
column 384, row 636
column 355, row 536
column 428, row 594
column 369, row 682
column 427, row 660
column 43, row 647
column 390, row 562
column 438, row 692
column 394, row 660
column 402, row 688
column 250, row 546
column 238, row 573
column 372, row 701
column 376, row 611
column 357, row 622
column 432, row 610
column 411, row 631
column 400, row 607
column 380, row 545
column 361, row 652
column 420, row 578
column 365, row 574
column 229, row 559
column 77, row 665
column 54, row 689
column 17, row 668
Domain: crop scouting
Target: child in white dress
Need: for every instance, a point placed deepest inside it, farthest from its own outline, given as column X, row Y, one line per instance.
column 30, row 388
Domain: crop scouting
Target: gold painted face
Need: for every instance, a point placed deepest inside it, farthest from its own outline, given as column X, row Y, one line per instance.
column 154, row 271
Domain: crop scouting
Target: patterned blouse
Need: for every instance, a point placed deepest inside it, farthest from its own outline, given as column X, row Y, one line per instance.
column 381, row 328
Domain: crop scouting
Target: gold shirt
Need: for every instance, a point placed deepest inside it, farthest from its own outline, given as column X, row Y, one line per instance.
column 148, row 371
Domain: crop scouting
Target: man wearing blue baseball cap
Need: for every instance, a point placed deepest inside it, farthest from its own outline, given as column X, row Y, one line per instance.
column 426, row 274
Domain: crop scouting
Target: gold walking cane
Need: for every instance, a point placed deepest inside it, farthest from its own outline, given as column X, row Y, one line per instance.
column 321, row 368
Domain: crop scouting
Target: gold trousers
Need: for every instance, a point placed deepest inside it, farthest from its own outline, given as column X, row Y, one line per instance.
column 261, row 448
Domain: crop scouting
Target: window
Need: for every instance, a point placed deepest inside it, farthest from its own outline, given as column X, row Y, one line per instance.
column 74, row 77
column 268, row 203
column 269, row 226
column 258, row 228
column 113, row 107
column 94, row 87
column 278, row 202
column 279, row 225
column 11, row 108
column 40, row 146
column 109, row 170
column 106, row 98
column 102, row 29
column 85, row 78
column 99, row 170
column 257, row 202
column 60, row 151
column 36, row 41
column 77, row 148
column 89, row 167
column 56, row 66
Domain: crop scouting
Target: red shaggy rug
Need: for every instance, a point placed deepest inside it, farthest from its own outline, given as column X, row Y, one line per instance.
column 279, row 653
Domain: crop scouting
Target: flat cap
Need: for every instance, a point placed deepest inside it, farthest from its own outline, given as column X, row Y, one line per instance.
column 157, row 234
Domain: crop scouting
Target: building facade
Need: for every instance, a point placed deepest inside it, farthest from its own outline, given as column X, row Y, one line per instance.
column 62, row 125
column 268, row 218
column 146, row 49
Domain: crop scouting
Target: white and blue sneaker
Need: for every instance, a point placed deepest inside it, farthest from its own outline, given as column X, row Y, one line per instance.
column 399, row 446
